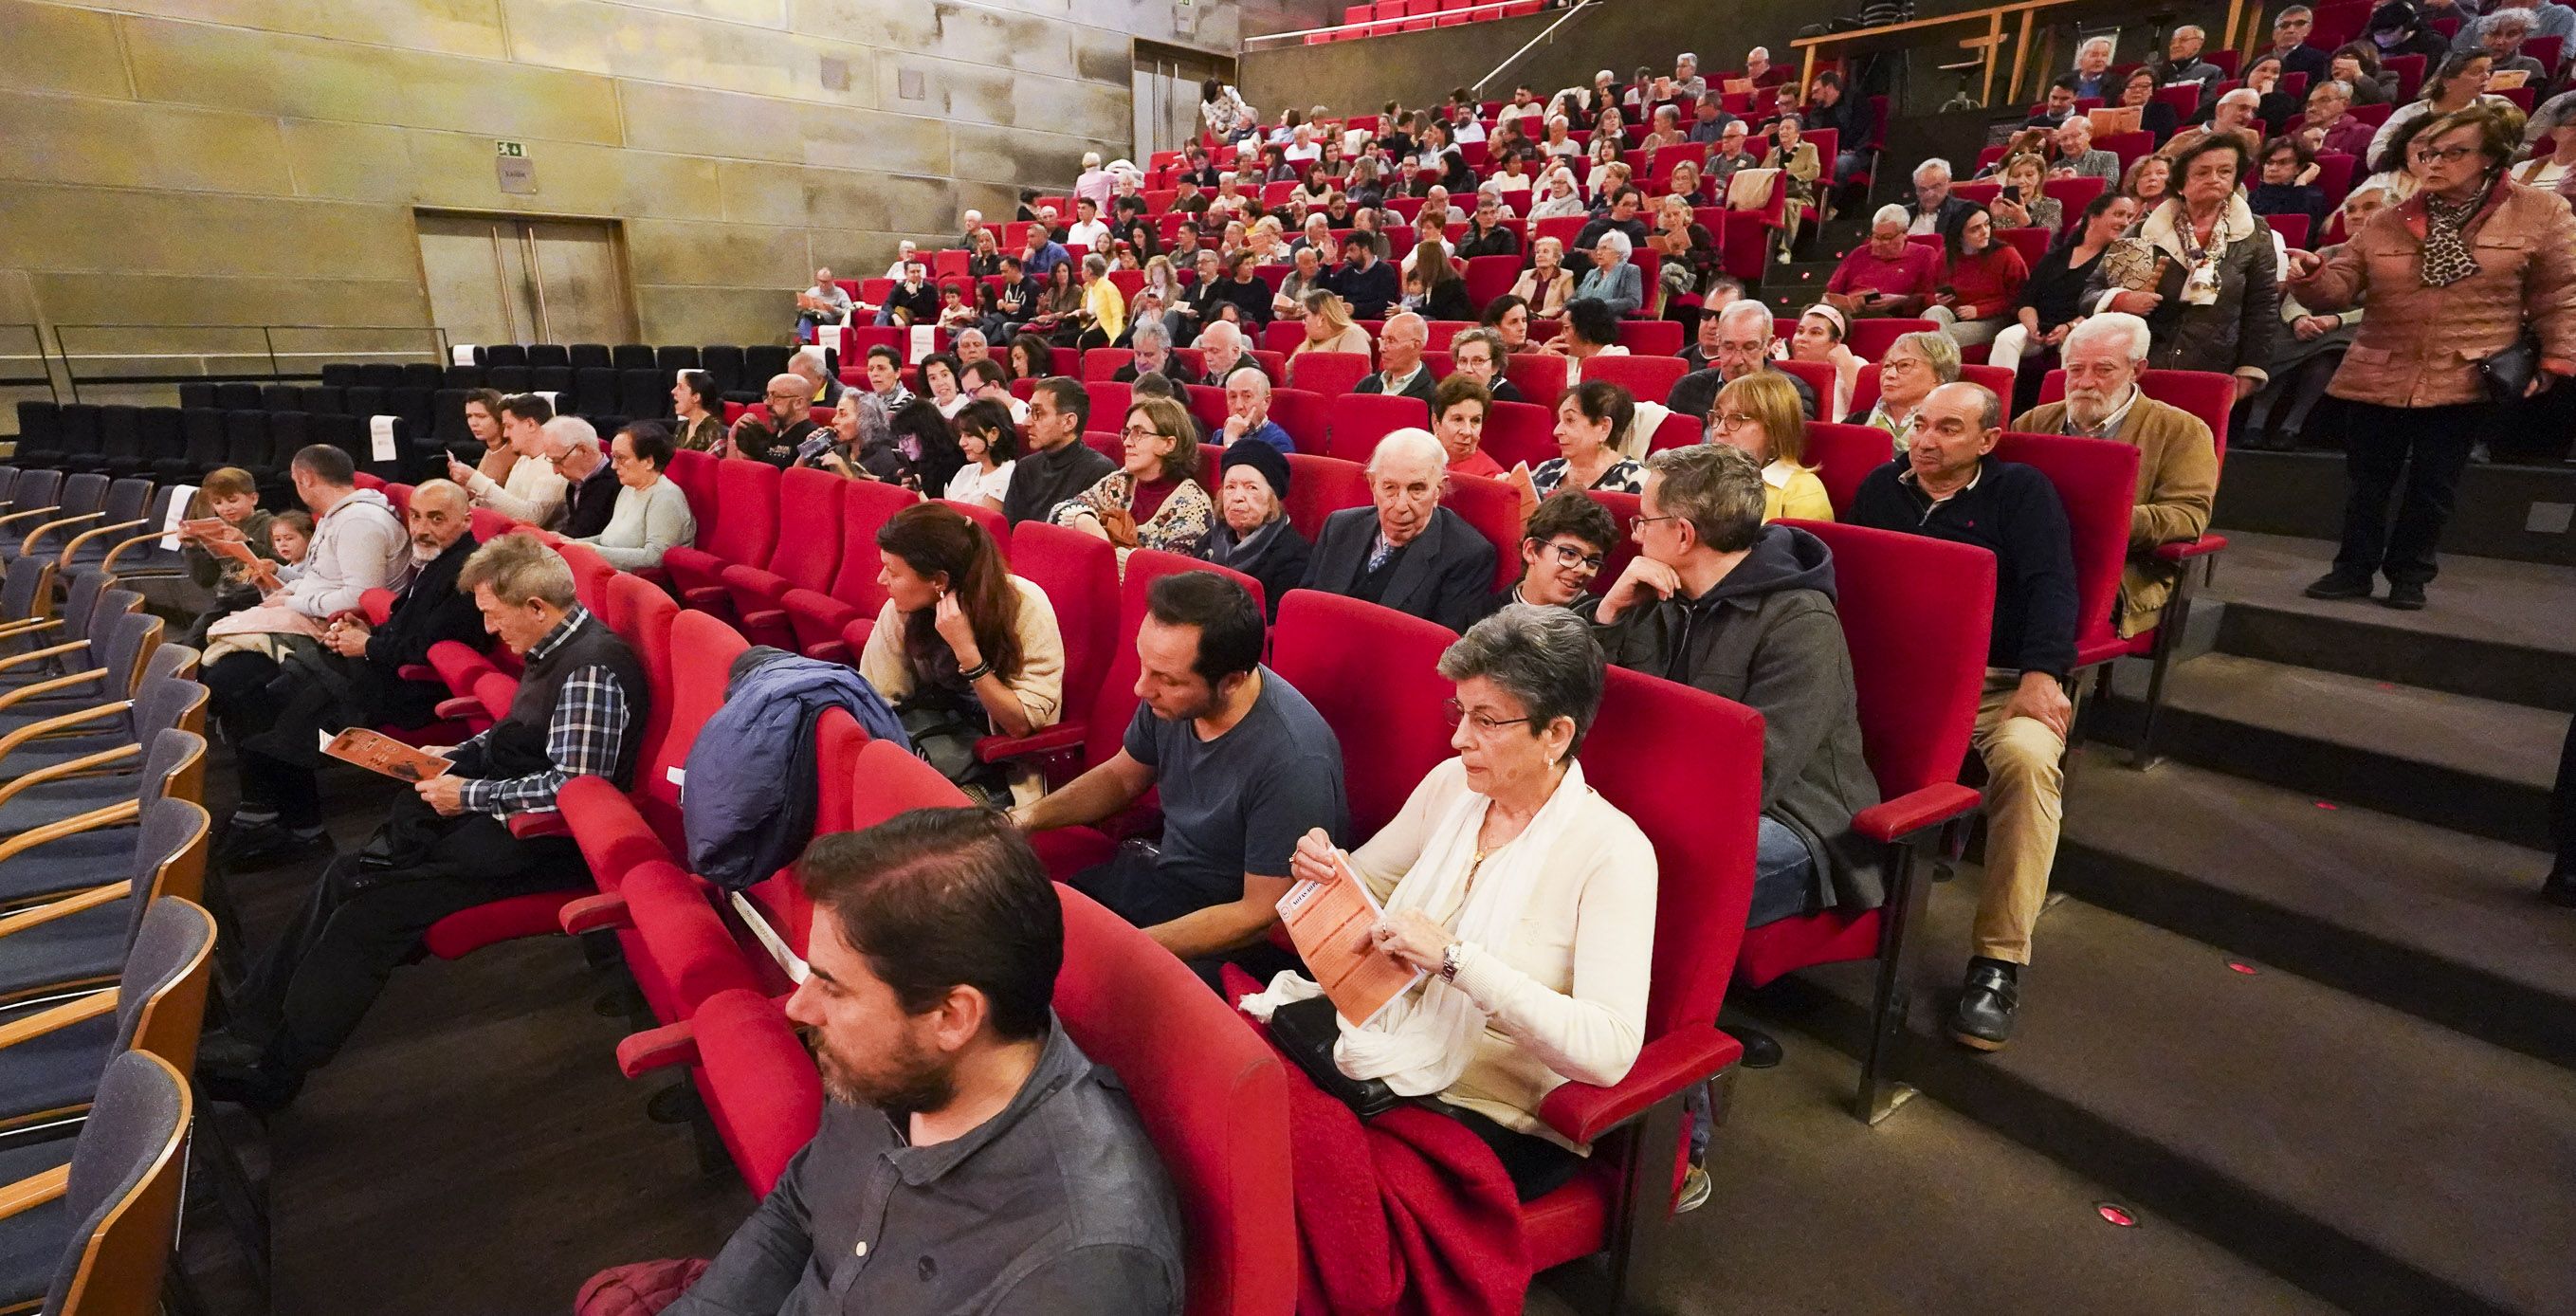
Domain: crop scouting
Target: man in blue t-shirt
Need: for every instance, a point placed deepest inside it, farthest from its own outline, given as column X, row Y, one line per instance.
column 1244, row 766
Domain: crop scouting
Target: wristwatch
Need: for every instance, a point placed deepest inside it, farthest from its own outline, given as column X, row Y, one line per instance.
column 1449, row 963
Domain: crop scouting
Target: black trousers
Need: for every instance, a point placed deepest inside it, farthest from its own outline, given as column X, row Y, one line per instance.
column 271, row 714
column 2562, row 804
column 2424, row 449
column 325, row 971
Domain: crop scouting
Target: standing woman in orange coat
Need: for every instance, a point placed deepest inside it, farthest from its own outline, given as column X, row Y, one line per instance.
column 2472, row 290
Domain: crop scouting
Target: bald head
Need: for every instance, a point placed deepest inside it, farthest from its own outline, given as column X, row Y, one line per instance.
column 1400, row 343
column 789, row 396
column 439, row 514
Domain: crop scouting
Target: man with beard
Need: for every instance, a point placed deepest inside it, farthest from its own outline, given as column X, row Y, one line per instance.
column 353, row 679
column 2177, row 458
column 1245, row 765
column 970, row 1159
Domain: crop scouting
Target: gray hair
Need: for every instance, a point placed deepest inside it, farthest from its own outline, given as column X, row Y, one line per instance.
column 2128, row 329
column 1891, row 213
column 518, row 567
column 1095, row 265
column 1409, row 442
column 1717, row 487
column 2516, row 16
column 1492, row 340
column 807, row 360
column 2192, row 28
column 2336, row 85
column 2091, row 42
column 1940, row 349
column 1935, row 165
column 1544, row 658
column 1616, row 241
column 444, row 490
column 1149, row 330
column 1259, row 383
column 1229, row 330
column 1746, row 308
column 2240, row 96
column 572, row 432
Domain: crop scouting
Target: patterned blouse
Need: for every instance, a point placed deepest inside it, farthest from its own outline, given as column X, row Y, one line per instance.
column 1181, row 525
column 1624, row 476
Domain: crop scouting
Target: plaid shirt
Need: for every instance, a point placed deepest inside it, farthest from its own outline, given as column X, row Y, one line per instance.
column 583, row 737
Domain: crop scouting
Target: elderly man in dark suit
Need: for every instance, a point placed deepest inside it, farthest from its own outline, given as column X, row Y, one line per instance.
column 1407, row 551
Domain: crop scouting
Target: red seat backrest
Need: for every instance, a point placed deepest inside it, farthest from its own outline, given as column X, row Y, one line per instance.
column 1518, row 432
column 1302, row 414
column 695, row 473
column 1489, row 277
column 702, row 650
column 995, row 527
column 866, row 505
column 1539, row 376
column 1374, row 674
column 1282, row 336
column 1650, row 734
column 749, row 492
column 1844, row 455
column 1099, row 363
column 1494, row 509
column 1356, row 421
column 1328, row 373
column 1869, row 338
column 809, row 528
column 1109, row 403
column 1651, row 337
column 2204, row 393
column 1319, row 486
column 590, row 576
column 1647, row 378
column 1624, row 510
column 1212, row 1097
column 1916, row 614
column 1079, row 573
column 2098, row 483
column 490, row 524
column 642, row 615
column 1818, row 376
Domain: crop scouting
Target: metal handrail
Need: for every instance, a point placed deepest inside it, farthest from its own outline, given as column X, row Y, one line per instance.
column 1304, row 32
column 267, row 348
column 1478, row 86
column 45, row 376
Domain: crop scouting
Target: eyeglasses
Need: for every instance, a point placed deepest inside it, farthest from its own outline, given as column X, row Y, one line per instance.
column 1638, row 526
column 1733, row 420
column 2443, row 154
column 1456, row 713
column 1140, row 432
column 1573, row 558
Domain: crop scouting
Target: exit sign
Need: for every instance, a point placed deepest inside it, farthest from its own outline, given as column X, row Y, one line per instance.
column 513, row 150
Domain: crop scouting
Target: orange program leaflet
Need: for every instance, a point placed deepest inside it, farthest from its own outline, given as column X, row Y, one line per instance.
column 381, row 753
column 1330, row 922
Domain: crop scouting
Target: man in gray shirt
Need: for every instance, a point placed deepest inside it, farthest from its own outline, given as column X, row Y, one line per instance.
column 970, row 1158
column 824, row 303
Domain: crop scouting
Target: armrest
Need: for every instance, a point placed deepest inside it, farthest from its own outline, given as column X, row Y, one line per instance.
column 760, row 618
column 63, row 722
column 65, row 907
column 35, row 1190
column 28, row 545
column 32, row 655
column 416, row 672
column 31, row 1026
column 658, row 1048
column 1668, row 1064
column 30, row 626
column 98, row 532
column 10, row 789
column 1056, row 739
column 117, row 814
column 595, row 914
column 1895, row 821
column 376, row 605
column 459, row 709
column 95, row 675
column 539, row 822
column 705, row 597
column 2184, row 552
column 830, row 651
column 108, row 563
column 32, row 511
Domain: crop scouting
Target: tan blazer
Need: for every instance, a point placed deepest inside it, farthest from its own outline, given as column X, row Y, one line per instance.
column 2177, row 484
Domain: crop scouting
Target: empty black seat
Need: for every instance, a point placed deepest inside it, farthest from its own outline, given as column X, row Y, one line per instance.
column 340, row 374
column 631, row 356
column 762, row 362
column 508, row 379
column 281, row 397
column 585, row 356
column 380, row 374
column 541, row 355
column 594, row 388
column 165, row 443
column 447, row 417
column 724, row 362
column 644, row 392
column 461, row 377
column 237, row 395
column 120, row 441
column 551, row 379
column 246, row 442
column 503, row 354
column 421, row 374
column 413, row 405
column 324, row 400
column 673, row 359
column 197, row 393
column 202, row 429
column 80, row 439
column 40, row 433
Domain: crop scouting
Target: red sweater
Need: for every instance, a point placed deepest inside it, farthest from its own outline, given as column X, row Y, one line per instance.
column 1991, row 281
column 1911, row 275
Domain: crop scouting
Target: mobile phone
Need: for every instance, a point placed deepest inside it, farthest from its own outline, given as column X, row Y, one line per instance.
column 2012, row 192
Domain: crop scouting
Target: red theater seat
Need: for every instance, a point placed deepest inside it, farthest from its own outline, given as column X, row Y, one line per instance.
column 804, row 557
column 748, row 492
column 1356, row 421
column 816, row 618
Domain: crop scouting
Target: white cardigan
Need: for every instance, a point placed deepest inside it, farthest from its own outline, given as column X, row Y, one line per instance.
column 1566, row 999
column 644, row 524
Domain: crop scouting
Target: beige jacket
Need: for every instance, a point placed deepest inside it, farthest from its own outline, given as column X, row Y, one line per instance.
column 2177, row 485
column 1039, row 684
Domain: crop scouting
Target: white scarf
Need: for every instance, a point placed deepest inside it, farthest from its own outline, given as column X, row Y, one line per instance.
column 1420, row 1043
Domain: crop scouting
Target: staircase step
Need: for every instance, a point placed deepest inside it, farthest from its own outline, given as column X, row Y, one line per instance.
column 2456, row 761
column 2379, row 1161
column 2495, row 629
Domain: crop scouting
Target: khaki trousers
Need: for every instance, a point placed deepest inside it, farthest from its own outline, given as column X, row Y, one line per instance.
column 2025, row 802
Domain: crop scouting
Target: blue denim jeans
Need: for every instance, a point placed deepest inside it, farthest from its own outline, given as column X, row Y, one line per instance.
column 1783, row 887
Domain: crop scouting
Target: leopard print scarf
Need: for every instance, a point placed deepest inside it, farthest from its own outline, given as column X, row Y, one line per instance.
column 2446, row 249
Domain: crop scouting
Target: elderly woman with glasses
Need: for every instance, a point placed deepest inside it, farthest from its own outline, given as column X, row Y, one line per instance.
column 2471, row 284
column 1153, row 499
column 1526, row 900
column 1908, row 371
column 651, row 515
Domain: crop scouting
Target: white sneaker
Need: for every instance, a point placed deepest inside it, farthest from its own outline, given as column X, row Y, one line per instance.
column 1695, row 1190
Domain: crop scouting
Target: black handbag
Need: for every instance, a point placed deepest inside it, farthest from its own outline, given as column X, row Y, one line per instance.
column 1307, row 1031
column 2507, row 373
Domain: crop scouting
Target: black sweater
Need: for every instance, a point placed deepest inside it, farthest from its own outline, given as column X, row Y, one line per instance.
column 2012, row 511
column 2056, row 290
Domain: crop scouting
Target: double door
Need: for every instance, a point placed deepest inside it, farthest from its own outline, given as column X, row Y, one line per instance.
column 510, row 279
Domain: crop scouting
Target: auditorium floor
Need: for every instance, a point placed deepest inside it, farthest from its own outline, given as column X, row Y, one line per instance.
column 475, row 1150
